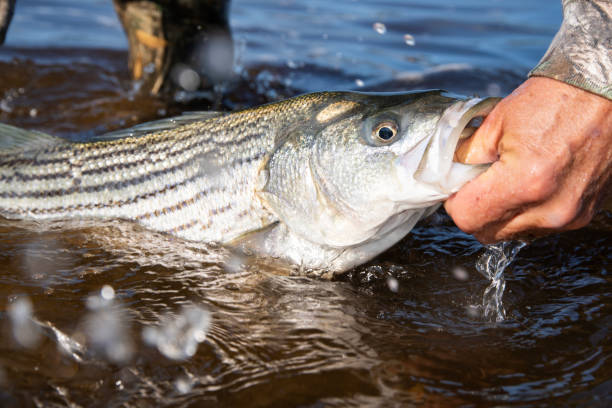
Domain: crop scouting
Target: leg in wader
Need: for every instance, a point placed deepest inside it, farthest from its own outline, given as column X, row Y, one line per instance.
column 173, row 44
column 177, row 44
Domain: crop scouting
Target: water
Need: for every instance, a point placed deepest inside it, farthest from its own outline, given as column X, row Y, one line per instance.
column 492, row 264
column 113, row 315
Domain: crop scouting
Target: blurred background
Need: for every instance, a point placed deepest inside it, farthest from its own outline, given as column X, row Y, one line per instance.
column 61, row 55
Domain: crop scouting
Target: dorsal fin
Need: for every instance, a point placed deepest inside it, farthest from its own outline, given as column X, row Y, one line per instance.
column 12, row 137
column 157, row 126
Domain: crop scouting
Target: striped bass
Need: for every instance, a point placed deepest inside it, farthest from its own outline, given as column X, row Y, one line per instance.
column 325, row 180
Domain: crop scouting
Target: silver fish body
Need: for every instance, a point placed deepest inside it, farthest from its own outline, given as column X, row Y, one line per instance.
column 325, row 180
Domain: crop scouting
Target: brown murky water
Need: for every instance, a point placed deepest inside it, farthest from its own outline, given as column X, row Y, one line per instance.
column 109, row 314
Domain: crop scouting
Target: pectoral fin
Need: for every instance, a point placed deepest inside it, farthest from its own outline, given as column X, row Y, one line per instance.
column 253, row 240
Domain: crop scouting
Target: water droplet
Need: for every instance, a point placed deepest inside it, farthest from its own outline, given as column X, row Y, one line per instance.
column 189, row 79
column 359, row 82
column 33, row 112
column 494, row 89
column 25, row 331
column 380, row 28
column 409, row 40
column 393, row 284
column 107, row 292
column 460, row 273
column 491, row 264
column 235, row 262
column 183, row 385
column 106, row 326
column 473, row 311
column 177, row 337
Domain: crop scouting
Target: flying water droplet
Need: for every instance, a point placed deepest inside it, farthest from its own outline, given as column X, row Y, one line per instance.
column 359, row 82
column 25, row 331
column 106, row 327
column 183, row 385
column 409, row 40
column 460, row 273
column 107, row 292
column 177, row 337
column 393, row 284
column 493, row 89
column 380, row 28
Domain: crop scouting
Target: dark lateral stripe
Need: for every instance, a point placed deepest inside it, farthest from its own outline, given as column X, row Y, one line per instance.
column 178, row 206
column 109, row 168
column 32, row 177
column 183, row 227
column 115, row 204
column 131, row 151
column 112, row 185
column 120, row 185
column 209, row 223
column 170, row 152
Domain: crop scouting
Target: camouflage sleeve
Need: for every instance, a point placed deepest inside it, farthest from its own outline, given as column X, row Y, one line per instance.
column 581, row 52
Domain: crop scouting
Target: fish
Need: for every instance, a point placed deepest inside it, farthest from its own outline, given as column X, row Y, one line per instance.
column 325, row 181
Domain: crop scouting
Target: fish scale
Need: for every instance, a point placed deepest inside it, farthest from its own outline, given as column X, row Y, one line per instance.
column 155, row 179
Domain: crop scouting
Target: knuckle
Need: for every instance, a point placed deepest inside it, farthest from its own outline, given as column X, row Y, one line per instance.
column 540, row 181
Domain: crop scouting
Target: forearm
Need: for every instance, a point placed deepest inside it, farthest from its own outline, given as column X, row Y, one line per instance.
column 581, row 52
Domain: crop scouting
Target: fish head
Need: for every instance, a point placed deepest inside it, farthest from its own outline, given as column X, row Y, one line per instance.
column 363, row 165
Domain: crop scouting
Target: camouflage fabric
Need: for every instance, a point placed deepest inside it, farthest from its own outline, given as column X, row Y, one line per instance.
column 581, row 52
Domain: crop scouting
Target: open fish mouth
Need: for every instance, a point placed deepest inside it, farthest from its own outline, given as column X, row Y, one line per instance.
column 475, row 116
column 458, row 122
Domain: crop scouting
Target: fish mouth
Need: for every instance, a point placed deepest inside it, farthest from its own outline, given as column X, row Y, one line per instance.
column 474, row 117
column 458, row 122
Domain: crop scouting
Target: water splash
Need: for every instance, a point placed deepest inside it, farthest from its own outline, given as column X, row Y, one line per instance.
column 380, row 28
column 106, row 326
column 25, row 331
column 491, row 264
column 409, row 40
column 392, row 284
column 178, row 337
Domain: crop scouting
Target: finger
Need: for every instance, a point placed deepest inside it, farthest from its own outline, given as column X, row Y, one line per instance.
column 481, row 147
column 560, row 213
column 504, row 190
column 482, row 202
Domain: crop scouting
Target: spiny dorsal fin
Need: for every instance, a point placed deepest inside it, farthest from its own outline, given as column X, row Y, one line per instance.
column 12, row 137
column 157, row 126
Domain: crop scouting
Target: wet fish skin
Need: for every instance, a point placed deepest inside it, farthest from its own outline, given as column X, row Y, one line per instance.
column 304, row 179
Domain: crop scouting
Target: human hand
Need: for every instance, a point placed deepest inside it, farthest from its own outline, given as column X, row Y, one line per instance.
column 551, row 144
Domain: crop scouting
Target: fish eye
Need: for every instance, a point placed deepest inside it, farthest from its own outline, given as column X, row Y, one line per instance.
column 385, row 132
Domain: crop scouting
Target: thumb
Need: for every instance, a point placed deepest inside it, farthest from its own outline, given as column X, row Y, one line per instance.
column 481, row 147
